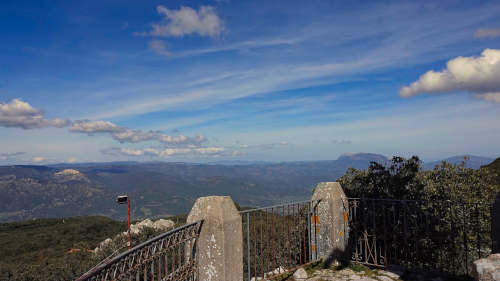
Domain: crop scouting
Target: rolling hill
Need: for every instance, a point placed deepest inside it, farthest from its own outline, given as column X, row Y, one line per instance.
column 474, row 162
column 159, row 189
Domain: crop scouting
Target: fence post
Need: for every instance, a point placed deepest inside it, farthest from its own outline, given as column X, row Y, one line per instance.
column 331, row 224
column 220, row 245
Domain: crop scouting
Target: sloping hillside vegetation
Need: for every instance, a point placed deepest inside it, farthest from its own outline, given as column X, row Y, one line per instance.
column 62, row 249
column 494, row 168
column 41, row 249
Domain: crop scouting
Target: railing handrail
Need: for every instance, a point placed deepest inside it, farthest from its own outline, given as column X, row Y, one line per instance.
column 279, row 205
column 421, row 200
column 119, row 257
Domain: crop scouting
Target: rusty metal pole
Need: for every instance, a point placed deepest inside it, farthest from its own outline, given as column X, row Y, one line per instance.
column 129, row 244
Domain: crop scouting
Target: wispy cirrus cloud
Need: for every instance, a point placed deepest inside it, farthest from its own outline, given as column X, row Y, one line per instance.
column 239, row 46
column 385, row 48
column 478, row 75
column 186, row 21
column 20, row 114
column 487, row 33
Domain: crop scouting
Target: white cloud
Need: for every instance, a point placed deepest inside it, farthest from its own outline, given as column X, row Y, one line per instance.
column 186, row 21
column 124, row 135
column 158, row 47
column 20, row 114
column 265, row 146
column 167, row 152
column 478, row 75
column 92, row 127
column 37, row 159
column 341, row 141
column 133, row 136
column 10, row 155
column 72, row 160
column 180, row 139
column 487, row 33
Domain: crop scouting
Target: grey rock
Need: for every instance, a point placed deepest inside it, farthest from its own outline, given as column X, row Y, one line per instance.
column 300, row 274
column 391, row 274
column 354, row 277
column 384, row 278
column 162, row 224
column 487, row 269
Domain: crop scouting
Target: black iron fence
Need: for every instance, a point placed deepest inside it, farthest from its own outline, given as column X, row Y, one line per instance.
column 169, row 256
column 277, row 238
column 445, row 236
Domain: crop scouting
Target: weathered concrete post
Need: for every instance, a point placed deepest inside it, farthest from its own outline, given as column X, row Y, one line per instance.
column 220, row 245
column 330, row 226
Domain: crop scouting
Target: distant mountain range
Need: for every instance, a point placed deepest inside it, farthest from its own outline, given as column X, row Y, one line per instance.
column 159, row 188
column 471, row 161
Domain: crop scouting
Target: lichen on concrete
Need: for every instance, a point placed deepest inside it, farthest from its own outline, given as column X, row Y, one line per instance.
column 221, row 239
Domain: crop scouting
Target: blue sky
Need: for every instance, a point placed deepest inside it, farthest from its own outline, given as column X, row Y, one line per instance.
column 202, row 81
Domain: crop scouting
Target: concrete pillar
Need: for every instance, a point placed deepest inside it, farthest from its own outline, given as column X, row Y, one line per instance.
column 495, row 226
column 220, row 246
column 331, row 227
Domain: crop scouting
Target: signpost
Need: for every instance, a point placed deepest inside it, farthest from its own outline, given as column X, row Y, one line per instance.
column 122, row 199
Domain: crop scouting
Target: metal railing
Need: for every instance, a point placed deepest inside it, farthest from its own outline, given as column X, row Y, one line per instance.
column 438, row 235
column 169, row 256
column 277, row 238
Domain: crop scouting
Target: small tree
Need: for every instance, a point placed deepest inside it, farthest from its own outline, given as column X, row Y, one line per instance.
column 397, row 180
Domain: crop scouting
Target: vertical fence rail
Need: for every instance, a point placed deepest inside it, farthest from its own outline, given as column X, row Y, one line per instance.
column 445, row 236
column 278, row 238
column 171, row 256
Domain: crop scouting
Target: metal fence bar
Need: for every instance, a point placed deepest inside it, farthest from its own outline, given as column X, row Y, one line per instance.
column 248, row 245
column 277, row 238
column 446, row 236
column 177, row 247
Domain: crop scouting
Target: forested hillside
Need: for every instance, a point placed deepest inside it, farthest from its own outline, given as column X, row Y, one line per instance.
column 494, row 167
column 158, row 189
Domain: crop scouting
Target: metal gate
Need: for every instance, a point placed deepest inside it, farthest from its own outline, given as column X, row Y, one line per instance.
column 277, row 238
column 438, row 235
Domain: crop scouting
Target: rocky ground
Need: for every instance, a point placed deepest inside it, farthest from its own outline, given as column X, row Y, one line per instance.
column 353, row 272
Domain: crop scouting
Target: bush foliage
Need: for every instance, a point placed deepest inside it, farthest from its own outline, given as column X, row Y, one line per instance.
column 405, row 179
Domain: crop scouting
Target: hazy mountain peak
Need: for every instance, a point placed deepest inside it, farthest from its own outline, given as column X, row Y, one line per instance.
column 362, row 156
column 471, row 161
